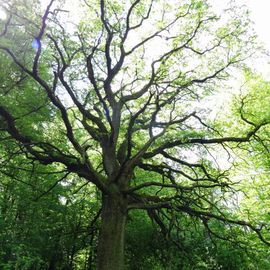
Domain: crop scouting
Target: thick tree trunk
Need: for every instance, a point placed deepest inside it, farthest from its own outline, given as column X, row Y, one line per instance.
column 111, row 238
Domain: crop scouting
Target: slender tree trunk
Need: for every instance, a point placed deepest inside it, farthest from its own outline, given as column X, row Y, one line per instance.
column 111, row 237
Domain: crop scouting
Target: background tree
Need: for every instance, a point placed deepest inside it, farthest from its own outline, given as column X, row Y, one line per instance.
column 117, row 102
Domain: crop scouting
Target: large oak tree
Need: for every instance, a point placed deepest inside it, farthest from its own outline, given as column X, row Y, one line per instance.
column 117, row 99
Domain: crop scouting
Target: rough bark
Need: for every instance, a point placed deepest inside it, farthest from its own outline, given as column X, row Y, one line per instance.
column 111, row 238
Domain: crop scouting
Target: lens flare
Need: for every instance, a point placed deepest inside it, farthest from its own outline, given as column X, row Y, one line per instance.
column 36, row 44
